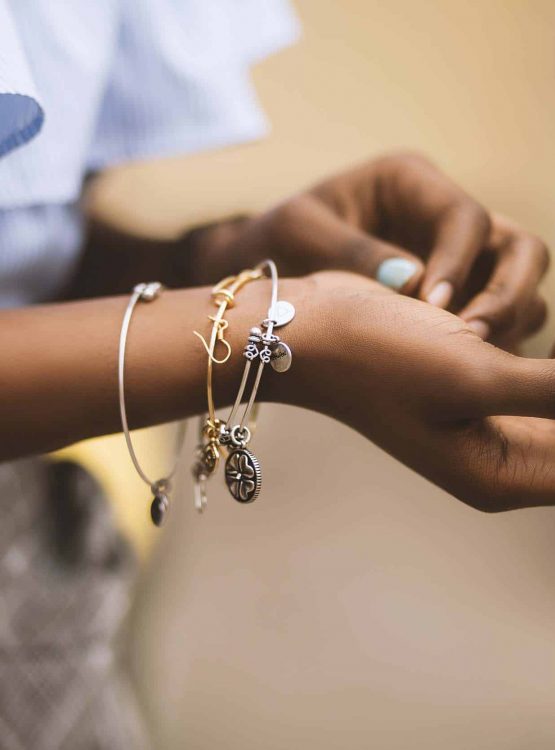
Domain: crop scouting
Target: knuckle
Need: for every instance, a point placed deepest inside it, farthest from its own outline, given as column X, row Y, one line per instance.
column 289, row 211
column 540, row 253
column 478, row 216
column 485, row 497
column 532, row 247
column 535, row 317
column 502, row 308
column 540, row 314
column 490, row 498
column 486, row 486
column 407, row 158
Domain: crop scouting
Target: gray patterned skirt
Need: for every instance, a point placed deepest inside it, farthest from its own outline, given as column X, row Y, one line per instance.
column 65, row 583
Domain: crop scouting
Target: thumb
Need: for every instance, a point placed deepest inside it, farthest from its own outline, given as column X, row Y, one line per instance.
column 508, row 385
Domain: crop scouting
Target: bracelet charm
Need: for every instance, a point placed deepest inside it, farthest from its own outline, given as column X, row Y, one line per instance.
column 243, row 475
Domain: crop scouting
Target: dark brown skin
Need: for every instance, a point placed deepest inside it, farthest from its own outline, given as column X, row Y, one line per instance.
column 410, row 376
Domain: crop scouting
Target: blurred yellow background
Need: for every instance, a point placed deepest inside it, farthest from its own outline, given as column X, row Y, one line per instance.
column 354, row 605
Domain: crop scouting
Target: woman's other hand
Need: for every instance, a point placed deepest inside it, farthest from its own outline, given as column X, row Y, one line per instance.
column 400, row 220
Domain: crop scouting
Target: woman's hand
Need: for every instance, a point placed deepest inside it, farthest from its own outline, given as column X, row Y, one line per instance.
column 402, row 221
column 418, row 382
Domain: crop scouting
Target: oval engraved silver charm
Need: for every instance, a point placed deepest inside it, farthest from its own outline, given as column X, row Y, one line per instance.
column 282, row 313
column 243, row 475
column 281, row 357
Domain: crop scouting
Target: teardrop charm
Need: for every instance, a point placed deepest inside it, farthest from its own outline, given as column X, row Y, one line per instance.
column 158, row 509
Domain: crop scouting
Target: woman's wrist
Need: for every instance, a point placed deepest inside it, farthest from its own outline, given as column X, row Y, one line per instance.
column 167, row 362
column 301, row 335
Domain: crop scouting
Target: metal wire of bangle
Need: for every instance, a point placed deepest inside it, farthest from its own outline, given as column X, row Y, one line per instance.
column 223, row 295
column 270, row 266
column 208, row 448
column 141, row 293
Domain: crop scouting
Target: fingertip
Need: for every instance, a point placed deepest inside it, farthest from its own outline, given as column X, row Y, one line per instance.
column 440, row 295
column 399, row 274
column 480, row 327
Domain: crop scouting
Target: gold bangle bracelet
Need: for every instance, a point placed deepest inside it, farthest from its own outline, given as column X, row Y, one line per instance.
column 208, row 449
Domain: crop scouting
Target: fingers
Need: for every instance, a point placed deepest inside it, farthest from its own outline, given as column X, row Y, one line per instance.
column 426, row 211
column 503, row 384
column 461, row 232
column 530, row 321
column 509, row 302
column 501, row 456
column 319, row 239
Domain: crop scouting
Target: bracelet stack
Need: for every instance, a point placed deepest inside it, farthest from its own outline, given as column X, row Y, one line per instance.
column 243, row 474
column 232, row 436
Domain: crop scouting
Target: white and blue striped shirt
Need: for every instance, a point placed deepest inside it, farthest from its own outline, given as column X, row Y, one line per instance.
column 96, row 83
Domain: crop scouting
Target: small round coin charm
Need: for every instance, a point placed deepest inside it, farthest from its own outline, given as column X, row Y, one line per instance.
column 243, row 475
column 282, row 313
column 281, row 357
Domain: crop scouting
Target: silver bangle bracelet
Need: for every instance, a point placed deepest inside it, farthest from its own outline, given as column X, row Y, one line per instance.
column 243, row 474
column 160, row 488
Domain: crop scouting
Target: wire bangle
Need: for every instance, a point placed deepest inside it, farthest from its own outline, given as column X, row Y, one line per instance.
column 160, row 488
column 243, row 474
column 242, row 469
column 223, row 295
column 271, row 267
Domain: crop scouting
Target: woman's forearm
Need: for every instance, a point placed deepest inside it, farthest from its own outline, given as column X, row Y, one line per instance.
column 113, row 261
column 59, row 369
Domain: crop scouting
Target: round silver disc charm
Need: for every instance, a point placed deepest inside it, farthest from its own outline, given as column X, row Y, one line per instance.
column 281, row 357
column 282, row 313
column 243, row 475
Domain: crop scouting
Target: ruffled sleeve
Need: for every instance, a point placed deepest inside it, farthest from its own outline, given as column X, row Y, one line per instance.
column 181, row 80
column 21, row 114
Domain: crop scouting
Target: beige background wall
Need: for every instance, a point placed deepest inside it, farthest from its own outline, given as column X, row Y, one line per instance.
column 355, row 605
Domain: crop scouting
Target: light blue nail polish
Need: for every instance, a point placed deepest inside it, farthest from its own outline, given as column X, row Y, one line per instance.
column 395, row 272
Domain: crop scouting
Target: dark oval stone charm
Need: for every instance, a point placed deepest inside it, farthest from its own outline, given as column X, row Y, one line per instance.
column 158, row 509
column 243, row 475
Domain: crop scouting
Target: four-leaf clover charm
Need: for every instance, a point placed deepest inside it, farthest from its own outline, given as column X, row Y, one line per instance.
column 242, row 475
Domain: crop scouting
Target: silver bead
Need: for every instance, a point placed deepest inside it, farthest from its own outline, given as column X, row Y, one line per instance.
column 149, row 291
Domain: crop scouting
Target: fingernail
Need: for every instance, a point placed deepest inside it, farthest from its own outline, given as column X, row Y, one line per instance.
column 480, row 327
column 395, row 272
column 441, row 294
